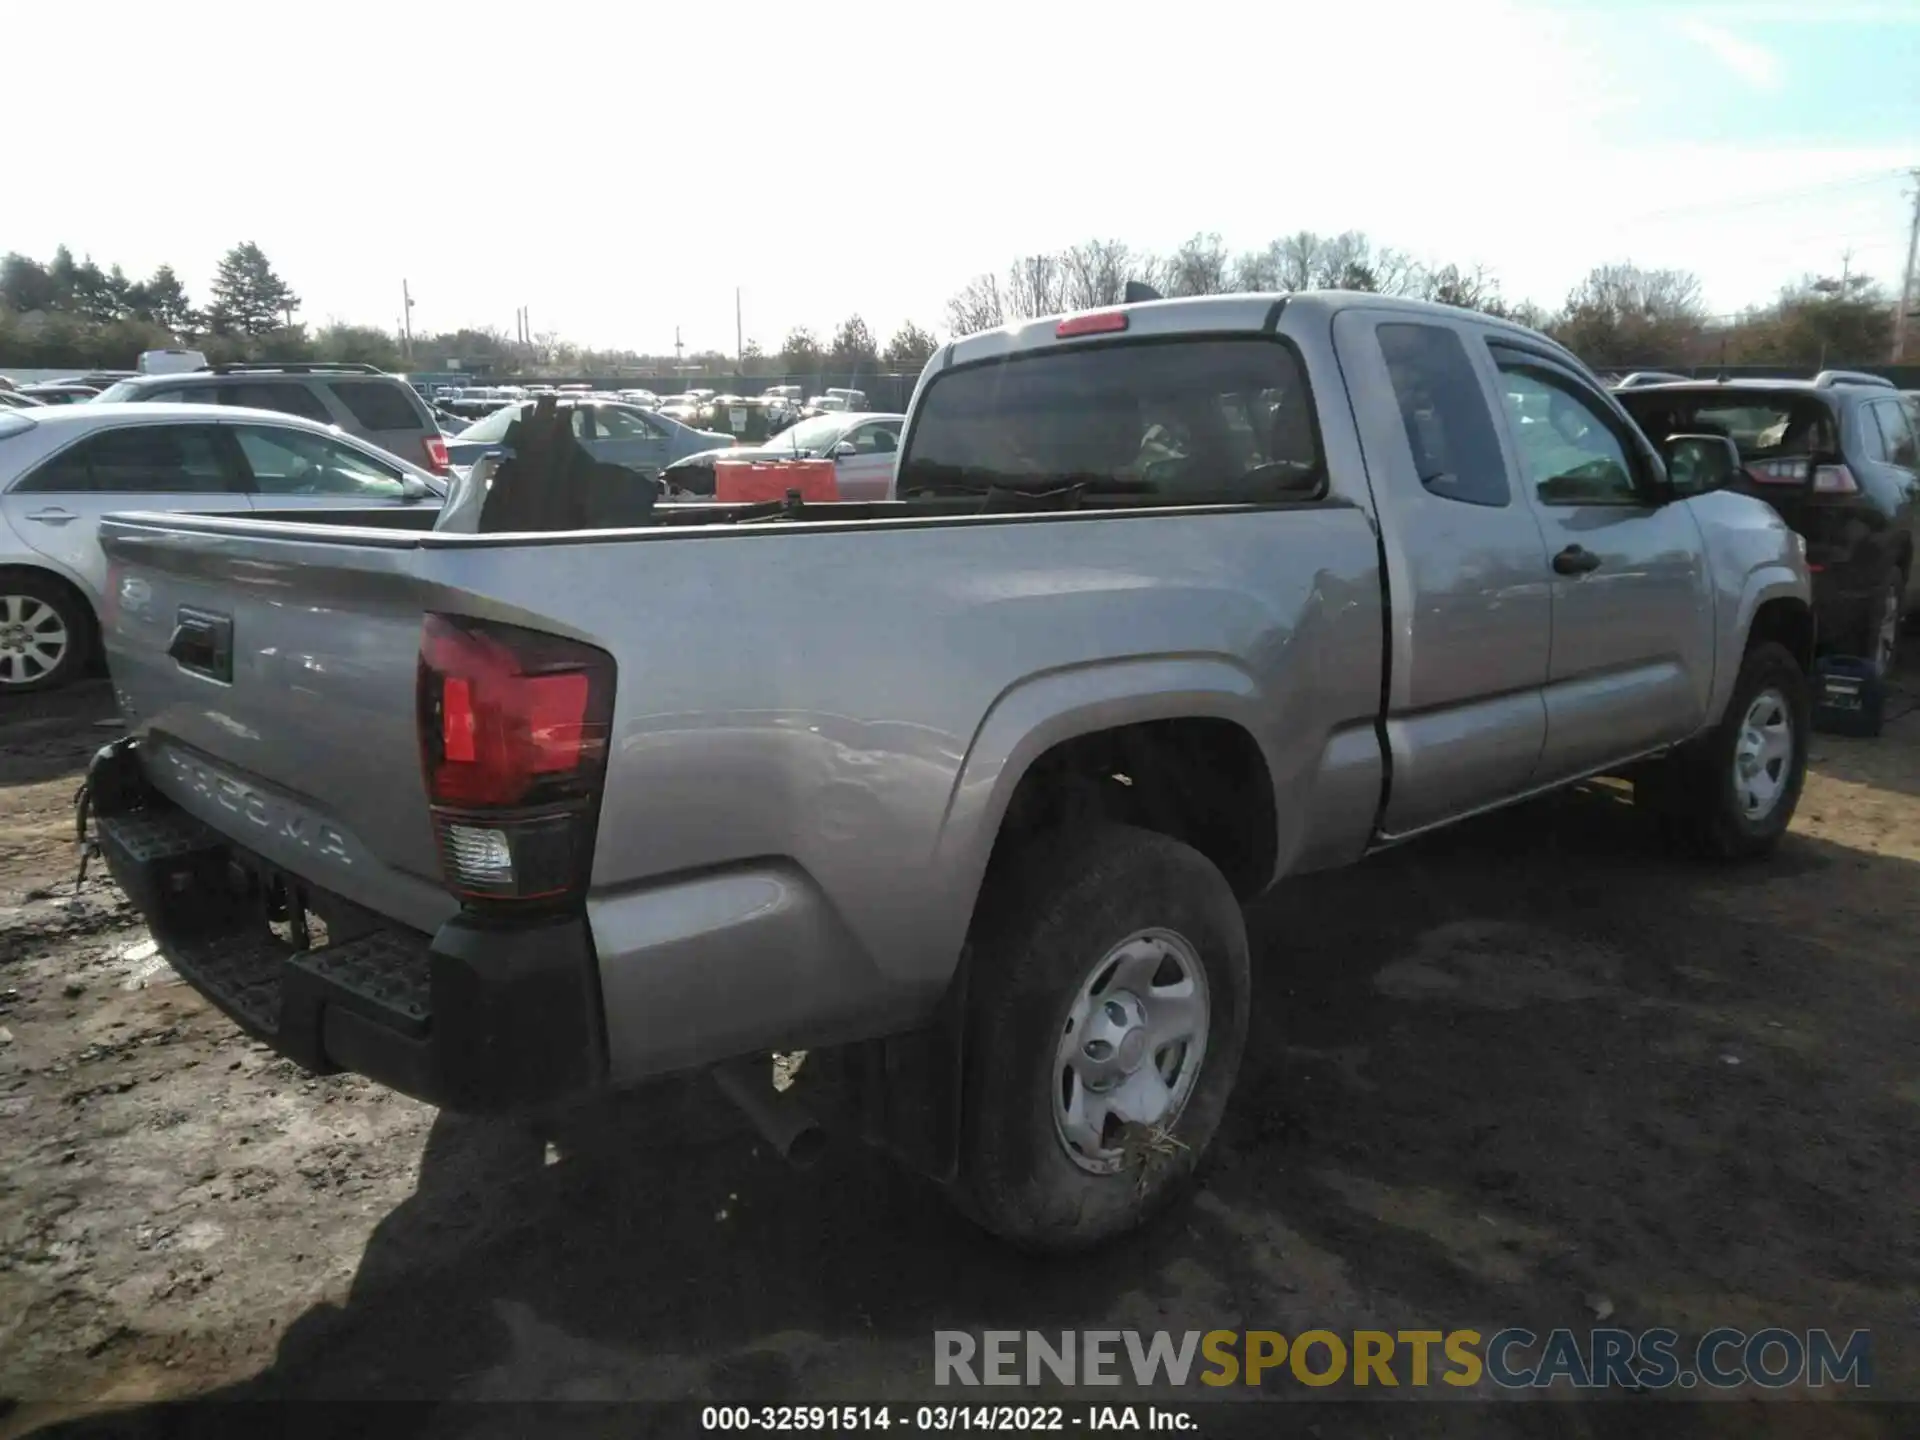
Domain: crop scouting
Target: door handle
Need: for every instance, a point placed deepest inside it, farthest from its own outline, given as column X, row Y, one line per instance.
column 53, row 515
column 1575, row 560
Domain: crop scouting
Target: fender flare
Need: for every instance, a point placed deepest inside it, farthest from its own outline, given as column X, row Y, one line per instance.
column 1766, row 583
column 1033, row 715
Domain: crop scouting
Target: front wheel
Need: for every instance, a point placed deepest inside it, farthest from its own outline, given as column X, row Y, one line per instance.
column 1109, row 998
column 1880, row 641
column 1739, row 786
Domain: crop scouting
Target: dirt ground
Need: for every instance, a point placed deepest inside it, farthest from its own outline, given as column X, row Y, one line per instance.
column 1531, row 1072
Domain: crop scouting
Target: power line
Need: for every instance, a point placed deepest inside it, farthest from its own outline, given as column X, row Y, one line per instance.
column 1877, row 177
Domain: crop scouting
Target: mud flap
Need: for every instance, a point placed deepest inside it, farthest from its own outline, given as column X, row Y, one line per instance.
column 902, row 1094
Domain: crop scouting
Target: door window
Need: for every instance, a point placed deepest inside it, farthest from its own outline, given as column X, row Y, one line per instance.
column 289, row 397
column 1456, row 451
column 1570, row 453
column 613, row 423
column 876, row 439
column 137, row 460
column 1896, row 430
column 295, row 462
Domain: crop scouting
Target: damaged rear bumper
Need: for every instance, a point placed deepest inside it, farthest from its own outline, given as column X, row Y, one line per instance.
column 479, row 1016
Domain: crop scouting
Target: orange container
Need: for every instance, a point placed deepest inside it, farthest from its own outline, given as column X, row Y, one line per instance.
column 748, row 482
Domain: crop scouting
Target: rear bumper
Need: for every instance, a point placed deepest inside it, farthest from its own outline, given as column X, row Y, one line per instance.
column 476, row 1017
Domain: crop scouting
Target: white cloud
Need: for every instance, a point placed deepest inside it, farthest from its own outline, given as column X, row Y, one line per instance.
column 1754, row 63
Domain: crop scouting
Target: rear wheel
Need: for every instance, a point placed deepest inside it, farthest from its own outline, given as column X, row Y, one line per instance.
column 1109, row 1011
column 46, row 634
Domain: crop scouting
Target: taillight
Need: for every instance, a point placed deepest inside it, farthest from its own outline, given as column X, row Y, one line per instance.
column 513, row 746
column 1780, row 472
column 436, row 447
column 1834, row 480
column 1092, row 322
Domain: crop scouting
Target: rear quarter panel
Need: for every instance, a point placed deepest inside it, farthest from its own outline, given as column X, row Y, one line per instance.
column 850, row 710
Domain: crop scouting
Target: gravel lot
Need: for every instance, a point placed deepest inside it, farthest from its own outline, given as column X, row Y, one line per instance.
column 1520, row 1074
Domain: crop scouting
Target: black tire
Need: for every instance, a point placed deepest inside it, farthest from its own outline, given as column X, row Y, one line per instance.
column 1702, row 794
column 22, row 671
column 1046, row 919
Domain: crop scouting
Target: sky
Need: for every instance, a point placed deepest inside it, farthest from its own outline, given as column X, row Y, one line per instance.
column 621, row 169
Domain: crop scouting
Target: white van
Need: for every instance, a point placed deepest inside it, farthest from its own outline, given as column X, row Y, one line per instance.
column 170, row 362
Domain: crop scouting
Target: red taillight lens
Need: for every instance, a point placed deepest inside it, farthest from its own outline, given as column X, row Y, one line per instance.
column 513, row 743
column 436, row 446
column 1835, row 480
column 1093, row 322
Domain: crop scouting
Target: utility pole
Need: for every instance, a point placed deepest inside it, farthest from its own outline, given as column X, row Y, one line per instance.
column 739, row 343
column 406, row 317
column 1905, row 302
column 677, row 349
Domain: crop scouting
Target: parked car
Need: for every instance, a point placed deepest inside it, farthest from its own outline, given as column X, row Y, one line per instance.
column 642, row 440
column 19, row 400
column 63, row 393
column 361, row 399
column 63, row 467
column 863, row 448
column 1837, row 457
column 1645, row 377
column 960, row 794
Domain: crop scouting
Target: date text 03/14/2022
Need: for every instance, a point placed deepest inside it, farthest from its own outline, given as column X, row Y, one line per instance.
column 839, row 1419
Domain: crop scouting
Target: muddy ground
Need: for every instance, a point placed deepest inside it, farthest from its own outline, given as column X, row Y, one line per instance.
column 1530, row 1072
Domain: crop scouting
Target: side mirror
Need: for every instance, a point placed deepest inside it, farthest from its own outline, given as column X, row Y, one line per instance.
column 1697, row 464
column 844, row 450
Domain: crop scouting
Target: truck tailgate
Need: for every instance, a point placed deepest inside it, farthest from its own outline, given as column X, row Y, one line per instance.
column 271, row 682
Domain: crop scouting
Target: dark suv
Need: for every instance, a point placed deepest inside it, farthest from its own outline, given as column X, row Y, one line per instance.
column 1838, row 457
column 362, row 400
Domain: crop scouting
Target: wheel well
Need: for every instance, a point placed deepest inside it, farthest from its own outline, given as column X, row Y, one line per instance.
column 1201, row 780
column 1788, row 622
column 55, row 577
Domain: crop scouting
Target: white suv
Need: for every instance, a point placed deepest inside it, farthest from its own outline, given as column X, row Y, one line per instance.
column 64, row 467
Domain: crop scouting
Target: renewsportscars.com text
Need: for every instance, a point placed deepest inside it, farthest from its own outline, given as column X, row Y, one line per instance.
column 1513, row 1358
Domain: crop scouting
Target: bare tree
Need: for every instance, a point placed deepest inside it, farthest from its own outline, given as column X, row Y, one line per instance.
column 1097, row 272
column 1199, row 267
column 1623, row 315
column 1036, row 285
column 978, row 306
column 1258, row 269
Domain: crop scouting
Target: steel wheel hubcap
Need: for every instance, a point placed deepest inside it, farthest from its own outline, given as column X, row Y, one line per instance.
column 1763, row 755
column 33, row 639
column 1132, row 1047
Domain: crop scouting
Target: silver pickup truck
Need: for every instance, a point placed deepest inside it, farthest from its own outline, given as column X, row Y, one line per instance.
column 960, row 793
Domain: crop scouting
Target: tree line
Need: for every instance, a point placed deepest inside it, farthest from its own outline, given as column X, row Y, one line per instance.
column 68, row 312
column 1619, row 315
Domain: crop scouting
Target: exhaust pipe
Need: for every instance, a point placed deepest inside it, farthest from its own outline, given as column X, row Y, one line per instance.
column 795, row 1135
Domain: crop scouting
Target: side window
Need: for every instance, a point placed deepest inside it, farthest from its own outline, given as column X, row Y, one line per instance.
column 67, row 473
column 1456, row 451
column 294, row 462
column 1570, row 454
column 289, row 397
column 876, row 439
column 1896, row 428
column 378, row 404
column 613, row 423
column 138, row 460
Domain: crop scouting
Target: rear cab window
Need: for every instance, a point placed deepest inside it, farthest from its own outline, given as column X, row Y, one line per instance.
column 381, row 404
column 1212, row 420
